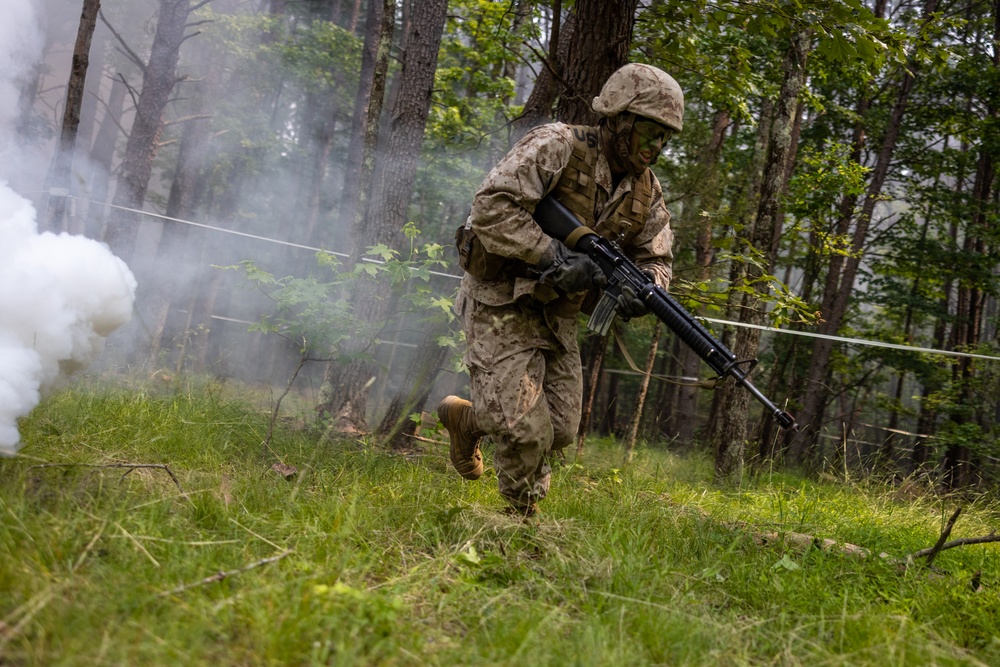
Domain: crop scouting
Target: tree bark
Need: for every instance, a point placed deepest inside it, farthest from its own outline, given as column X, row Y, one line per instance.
column 346, row 384
column 158, row 81
column 374, row 64
column 958, row 459
column 596, row 361
column 538, row 107
column 600, row 45
column 415, row 387
column 62, row 162
column 840, row 283
column 764, row 235
column 101, row 157
column 640, row 401
column 171, row 283
column 704, row 198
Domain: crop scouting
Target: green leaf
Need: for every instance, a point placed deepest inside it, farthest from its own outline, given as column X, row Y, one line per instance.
column 786, row 563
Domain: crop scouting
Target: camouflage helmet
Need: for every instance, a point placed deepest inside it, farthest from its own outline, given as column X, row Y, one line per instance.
column 645, row 91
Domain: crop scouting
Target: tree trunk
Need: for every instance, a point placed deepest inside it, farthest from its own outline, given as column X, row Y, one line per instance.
column 170, row 284
column 705, row 198
column 414, row 389
column 958, row 460
column 601, row 40
column 764, row 235
column 374, row 64
column 538, row 107
column 670, row 394
column 743, row 212
column 101, row 157
column 609, row 406
column 596, row 360
column 345, row 384
column 928, row 416
column 158, row 80
column 640, row 401
column 840, row 283
column 58, row 180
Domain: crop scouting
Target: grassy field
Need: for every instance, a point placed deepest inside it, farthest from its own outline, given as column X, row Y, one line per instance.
column 369, row 558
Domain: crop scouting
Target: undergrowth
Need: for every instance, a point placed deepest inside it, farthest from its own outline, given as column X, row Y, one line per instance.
column 208, row 556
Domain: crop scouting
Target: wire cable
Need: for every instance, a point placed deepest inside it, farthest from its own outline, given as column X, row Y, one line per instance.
column 839, row 339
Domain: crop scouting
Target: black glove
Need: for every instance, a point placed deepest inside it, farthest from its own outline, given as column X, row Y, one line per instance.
column 629, row 303
column 569, row 271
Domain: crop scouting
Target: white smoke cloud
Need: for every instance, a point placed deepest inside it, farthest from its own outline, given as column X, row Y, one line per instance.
column 60, row 295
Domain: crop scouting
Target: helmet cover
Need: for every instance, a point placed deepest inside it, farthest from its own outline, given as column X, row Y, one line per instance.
column 645, row 91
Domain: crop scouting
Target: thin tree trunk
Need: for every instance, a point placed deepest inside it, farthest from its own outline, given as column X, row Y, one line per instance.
column 640, row 401
column 101, row 158
column 744, row 210
column 159, row 78
column 346, row 383
column 600, row 344
column 367, row 109
column 764, row 236
column 959, row 461
column 538, row 107
column 840, row 284
column 415, row 387
column 62, row 162
column 174, row 246
column 705, row 199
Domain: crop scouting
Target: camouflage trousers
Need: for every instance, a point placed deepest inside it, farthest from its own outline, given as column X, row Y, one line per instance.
column 526, row 386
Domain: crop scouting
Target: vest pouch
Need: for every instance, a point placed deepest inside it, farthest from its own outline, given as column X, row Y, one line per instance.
column 474, row 258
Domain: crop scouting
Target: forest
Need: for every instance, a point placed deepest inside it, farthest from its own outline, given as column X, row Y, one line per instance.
column 285, row 177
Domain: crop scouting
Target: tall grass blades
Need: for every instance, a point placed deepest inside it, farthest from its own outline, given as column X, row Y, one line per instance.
column 143, row 526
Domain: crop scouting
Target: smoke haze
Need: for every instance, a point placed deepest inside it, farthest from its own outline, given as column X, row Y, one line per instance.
column 60, row 295
column 21, row 43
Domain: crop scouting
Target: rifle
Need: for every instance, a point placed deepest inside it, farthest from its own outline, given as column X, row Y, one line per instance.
column 558, row 222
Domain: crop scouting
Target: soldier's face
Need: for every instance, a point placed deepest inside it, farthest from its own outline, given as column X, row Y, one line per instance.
column 646, row 143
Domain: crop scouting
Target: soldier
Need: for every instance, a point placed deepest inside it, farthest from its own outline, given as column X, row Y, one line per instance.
column 522, row 290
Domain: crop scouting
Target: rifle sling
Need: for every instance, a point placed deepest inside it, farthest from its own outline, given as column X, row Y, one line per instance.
column 710, row 383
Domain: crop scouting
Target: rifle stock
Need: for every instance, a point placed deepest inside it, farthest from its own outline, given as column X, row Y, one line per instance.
column 558, row 222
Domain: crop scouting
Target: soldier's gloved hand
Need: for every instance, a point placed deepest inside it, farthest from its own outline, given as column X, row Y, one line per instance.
column 629, row 303
column 569, row 271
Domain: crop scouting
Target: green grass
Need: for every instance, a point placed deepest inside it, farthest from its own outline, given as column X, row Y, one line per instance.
column 395, row 560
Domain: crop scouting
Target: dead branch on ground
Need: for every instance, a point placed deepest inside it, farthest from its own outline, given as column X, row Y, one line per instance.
column 219, row 576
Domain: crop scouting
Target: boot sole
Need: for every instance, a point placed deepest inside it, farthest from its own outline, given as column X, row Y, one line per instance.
column 470, row 468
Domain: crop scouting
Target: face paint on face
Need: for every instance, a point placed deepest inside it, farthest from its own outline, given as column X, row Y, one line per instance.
column 646, row 143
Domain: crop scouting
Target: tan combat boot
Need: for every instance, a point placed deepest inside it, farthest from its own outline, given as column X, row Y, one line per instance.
column 457, row 416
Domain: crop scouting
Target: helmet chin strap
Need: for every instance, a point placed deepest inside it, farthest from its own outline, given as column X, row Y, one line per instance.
column 618, row 136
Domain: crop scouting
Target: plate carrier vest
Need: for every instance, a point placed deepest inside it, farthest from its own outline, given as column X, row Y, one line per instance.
column 577, row 190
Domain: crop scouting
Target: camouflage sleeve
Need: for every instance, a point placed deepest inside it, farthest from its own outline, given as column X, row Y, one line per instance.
column 653, row 247
column 502, row 207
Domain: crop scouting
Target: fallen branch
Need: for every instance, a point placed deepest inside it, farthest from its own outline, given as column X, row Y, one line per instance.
column 992, row 537
column 421, row 438
column 219, row 576
column 130, row 466
column 803, row 541
column 933, row 551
